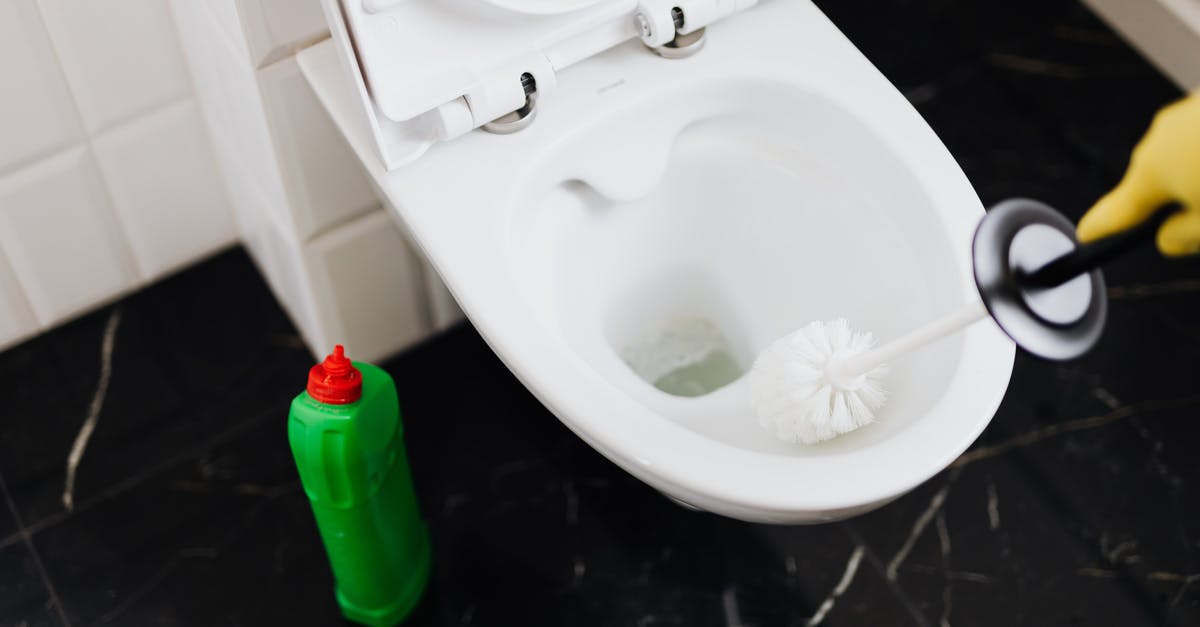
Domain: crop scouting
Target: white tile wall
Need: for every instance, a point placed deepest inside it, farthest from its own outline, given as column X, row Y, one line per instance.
column 303, row 206
column 122, row 158
column 359, row 285
column 16, row 317
column 325, row 183
column 106, row 174
column 137, row 136
column 121, row 57
column 285, row 266
column 377, row 286
column 61, row 237
column 37, row 115
column 227, row 88
column 228, row 19
column 275, row 29
column 246, row 196
column 166, row 189
column 270, row 130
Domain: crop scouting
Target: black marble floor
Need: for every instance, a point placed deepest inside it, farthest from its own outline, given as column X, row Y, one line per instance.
column 1078, row 506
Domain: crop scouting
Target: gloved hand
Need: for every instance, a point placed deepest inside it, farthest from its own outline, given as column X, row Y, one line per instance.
column 1165, row 167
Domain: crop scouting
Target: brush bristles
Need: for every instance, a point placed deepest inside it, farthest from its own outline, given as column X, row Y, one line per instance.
column 794, row 397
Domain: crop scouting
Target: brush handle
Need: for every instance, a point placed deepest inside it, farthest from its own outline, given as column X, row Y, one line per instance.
column 922, row 336
column 1088, row 257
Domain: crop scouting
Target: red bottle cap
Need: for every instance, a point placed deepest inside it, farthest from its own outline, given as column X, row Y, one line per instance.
column 335, row 381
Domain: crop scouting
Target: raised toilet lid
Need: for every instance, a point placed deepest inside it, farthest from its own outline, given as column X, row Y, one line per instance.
column 433, row 70
column 544, row 7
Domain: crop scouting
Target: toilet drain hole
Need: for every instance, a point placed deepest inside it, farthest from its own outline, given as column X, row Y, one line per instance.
column 684, row 356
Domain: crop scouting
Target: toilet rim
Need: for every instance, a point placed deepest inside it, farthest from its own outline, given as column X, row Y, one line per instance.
column 677, row 460
column 710, row 474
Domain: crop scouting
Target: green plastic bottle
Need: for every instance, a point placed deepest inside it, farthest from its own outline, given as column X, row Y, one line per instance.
column 348, row 443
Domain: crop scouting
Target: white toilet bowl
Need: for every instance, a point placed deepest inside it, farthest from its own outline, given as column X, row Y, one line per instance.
column 661, row 208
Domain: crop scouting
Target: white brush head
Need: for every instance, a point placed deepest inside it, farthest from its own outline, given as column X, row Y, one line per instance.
column 799, row 391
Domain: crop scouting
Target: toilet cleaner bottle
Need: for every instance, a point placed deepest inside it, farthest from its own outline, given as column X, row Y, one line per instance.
column 348, row 443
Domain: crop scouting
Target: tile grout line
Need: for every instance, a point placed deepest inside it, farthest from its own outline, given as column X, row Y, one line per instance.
column 877, row 565
column 24, row 534
column 10, row 540
column 88, row 143
column 12, row 508
column 920, row 524
column 133, row 481
column 37, row 561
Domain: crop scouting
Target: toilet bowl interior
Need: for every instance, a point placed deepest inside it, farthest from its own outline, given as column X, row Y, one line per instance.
column 769, row 214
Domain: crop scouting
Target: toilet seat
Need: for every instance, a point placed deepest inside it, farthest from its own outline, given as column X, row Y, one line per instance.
column 614, row 122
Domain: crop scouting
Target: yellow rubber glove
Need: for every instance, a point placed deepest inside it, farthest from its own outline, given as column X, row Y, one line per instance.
column 1165, row 167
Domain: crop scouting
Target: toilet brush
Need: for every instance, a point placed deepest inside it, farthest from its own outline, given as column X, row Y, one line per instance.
column 1040, row 286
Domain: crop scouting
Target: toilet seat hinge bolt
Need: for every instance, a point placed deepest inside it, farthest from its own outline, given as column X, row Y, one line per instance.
column 661, row 28
column 521, row 118
column 643, row 26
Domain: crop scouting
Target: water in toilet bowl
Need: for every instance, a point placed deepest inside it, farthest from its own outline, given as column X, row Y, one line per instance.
column 683, row 356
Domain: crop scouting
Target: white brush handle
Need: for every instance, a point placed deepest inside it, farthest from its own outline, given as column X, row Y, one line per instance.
column 936, row 330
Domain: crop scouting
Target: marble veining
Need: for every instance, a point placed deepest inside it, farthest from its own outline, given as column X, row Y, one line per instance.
column 79, row 445
column 178, row 502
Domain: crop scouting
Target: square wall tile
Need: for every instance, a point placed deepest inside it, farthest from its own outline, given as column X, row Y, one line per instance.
column 59, row 233
column 368, row 288
column 247, row 200
column 324, row 181
column 37, row 116
column 16, row 317
column 360, row 285
column 276, row 28
column 166, row 189
column 282, row 259
column 248, row 130
column 225, row 15
column 228, row 96
column 205, row 50
column 121, row 57
column 272, row 246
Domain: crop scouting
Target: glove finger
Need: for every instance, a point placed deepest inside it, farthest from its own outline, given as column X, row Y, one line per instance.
column 1180, row 234
column 1136, row 198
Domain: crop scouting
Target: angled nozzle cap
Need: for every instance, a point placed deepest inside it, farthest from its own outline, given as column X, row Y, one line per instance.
column 335, row 381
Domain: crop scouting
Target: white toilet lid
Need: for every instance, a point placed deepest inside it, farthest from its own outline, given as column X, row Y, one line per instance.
column 418, row 55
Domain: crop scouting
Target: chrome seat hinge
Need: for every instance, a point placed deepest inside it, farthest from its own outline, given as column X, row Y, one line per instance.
column 676, row 28
column 508, row 102
column 521, row 117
